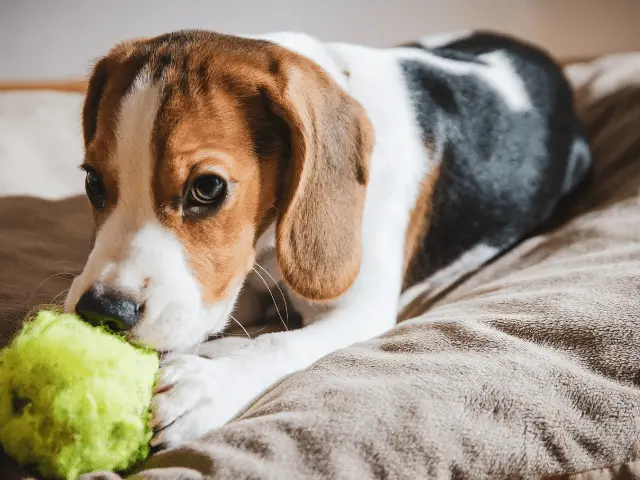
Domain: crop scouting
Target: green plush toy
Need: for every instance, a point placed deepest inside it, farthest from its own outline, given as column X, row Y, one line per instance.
column 74, row 398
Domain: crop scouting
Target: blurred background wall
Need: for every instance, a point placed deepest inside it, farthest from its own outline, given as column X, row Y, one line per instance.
column 59, row 39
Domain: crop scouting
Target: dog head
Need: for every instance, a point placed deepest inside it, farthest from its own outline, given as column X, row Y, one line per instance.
column 196, row 144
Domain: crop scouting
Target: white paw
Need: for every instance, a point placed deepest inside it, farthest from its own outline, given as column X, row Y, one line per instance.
column 191, row 399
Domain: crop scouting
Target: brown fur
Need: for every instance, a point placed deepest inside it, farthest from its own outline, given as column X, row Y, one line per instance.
column 319, row 232
column 286, row 137
column 420, row 214
column 419, row 222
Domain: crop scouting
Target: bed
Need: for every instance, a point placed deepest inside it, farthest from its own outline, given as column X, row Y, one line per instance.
column 528, row 368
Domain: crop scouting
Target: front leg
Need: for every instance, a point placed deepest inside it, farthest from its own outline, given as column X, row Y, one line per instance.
column 196, row 394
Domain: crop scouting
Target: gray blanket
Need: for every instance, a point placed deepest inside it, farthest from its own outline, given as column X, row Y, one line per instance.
column 529, row 368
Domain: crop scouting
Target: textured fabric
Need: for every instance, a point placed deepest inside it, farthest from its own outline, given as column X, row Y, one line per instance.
column 622, row 471
column 530, row 368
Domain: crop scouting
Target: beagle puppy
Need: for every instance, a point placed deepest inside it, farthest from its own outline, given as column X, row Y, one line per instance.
column 355, row 178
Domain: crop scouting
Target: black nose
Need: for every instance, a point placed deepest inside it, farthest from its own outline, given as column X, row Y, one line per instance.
column 103, row 306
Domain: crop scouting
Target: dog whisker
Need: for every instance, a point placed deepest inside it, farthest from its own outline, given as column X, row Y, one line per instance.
column 240, row 325
column 272, row 297
column 284, row 299
column 259, row 330
column 55, row 275
column 278, row 210
column 58, row 295
column 242, row 335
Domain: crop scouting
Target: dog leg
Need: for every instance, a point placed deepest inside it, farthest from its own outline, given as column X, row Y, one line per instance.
column 196, row 394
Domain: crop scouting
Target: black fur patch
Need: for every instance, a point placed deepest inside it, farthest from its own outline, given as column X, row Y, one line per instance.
column 502, row 172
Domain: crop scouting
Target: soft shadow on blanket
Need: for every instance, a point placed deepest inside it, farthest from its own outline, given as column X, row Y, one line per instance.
column 43, row 245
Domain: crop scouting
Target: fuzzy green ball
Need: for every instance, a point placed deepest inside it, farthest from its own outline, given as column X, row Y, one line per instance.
column 74, row 398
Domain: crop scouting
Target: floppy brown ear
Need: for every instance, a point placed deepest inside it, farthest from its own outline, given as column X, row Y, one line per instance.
column 318, row 234
column 127, row 66
column 95, row 89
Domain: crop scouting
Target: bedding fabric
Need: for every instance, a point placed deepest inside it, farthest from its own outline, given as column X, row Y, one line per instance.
column 529, row 368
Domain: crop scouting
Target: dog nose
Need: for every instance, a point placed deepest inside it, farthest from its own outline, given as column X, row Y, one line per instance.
column 102, row 306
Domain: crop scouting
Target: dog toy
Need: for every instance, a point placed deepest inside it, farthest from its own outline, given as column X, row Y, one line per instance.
column 74, row 398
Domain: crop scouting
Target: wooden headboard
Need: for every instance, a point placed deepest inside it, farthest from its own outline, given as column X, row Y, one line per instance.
column 77, row 86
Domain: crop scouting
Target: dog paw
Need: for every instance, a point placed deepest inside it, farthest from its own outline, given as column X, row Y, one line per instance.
column 190, row 399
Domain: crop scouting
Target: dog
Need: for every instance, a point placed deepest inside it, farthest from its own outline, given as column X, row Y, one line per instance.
column 355, row 178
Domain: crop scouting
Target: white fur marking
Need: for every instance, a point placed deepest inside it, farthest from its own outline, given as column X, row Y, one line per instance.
column 439, row 39
column 498, row 73
column 506, row 81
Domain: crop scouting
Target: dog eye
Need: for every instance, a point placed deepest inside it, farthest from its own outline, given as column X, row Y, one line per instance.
column 207, row 190
column 95, row 189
